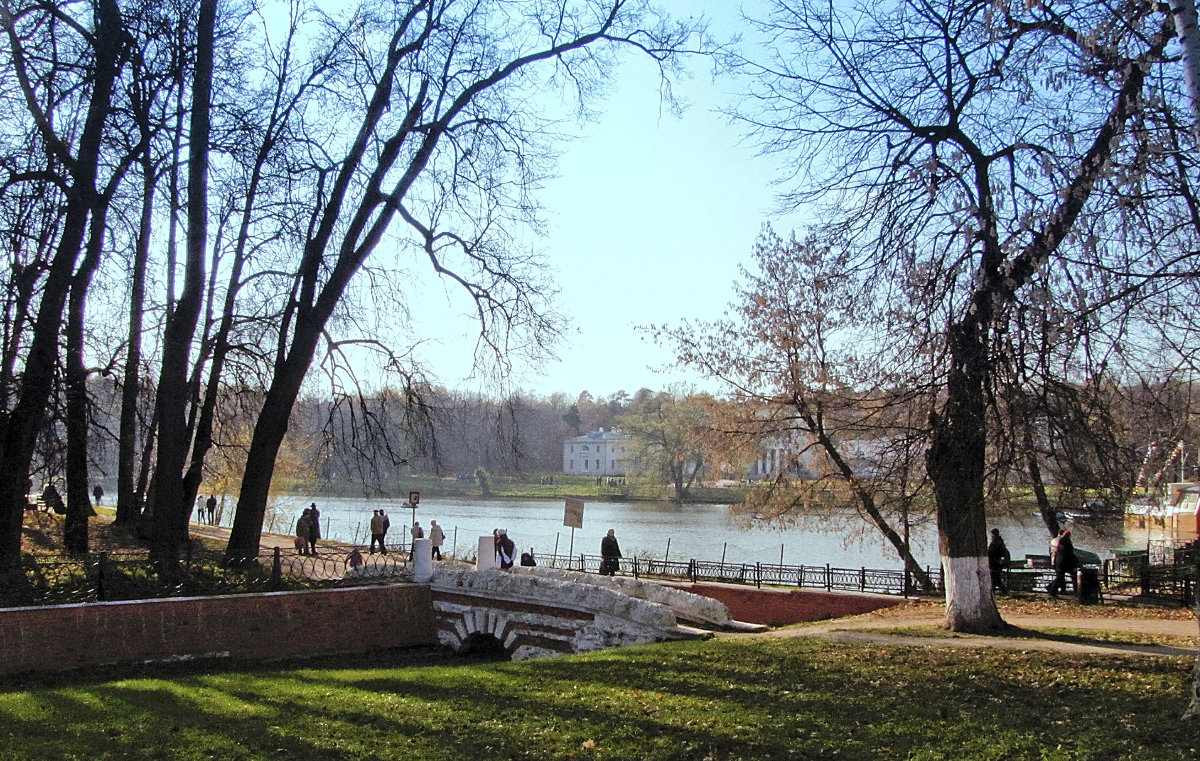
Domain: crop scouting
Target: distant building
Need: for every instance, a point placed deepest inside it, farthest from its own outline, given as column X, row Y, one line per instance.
column 599, row 453
column 799, row 457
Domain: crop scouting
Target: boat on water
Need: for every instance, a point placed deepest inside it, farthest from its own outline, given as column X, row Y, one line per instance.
column 1176, row 511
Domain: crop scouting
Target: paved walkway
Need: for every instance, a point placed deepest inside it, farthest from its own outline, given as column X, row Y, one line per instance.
column 1067, row 632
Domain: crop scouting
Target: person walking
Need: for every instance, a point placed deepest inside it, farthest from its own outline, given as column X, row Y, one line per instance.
column 378, row 530
column 1062, row 558
column 211, row 505
column 436, row 537
column 98, row 493
column 998, row 559
column 303, row 530
column 610, row 554
column 418, row 532
column 506, row 548
column 314, row 528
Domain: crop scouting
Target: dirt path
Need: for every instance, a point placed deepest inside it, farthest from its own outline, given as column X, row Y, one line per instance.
column 1072, row 629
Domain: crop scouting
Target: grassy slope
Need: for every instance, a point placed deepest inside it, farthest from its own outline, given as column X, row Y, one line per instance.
column 743, row 699
column 708, row 701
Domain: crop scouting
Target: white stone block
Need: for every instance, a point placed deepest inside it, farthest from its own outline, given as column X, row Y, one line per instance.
column 485, row 558
column 422, row 556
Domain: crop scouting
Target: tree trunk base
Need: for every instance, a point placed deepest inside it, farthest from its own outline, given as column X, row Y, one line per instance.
column 970, row 606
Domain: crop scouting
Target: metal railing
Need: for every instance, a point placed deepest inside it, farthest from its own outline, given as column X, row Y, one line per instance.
column 827, row 577
column 96, row 577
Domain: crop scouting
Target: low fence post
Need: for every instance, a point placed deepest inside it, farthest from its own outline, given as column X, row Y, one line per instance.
column 828, row 579
column 862, row 578
column 635, row 568
column 276, row 570
column 692, row 570
column 758, row 575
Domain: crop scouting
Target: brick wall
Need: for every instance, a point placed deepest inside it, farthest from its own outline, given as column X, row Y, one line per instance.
column 777, row 607
column 257, row 626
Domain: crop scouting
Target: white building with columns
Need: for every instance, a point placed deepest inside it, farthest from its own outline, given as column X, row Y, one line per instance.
column 599, row 453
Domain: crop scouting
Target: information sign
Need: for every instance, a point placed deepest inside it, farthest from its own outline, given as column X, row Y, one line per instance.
column 573, row 516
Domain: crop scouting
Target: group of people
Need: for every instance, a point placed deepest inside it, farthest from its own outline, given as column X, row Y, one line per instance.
column 1062, row 560
column 206, row 509
column 436, row 537
column 308, row 530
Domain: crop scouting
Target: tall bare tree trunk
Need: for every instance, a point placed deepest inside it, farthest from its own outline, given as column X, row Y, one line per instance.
column 129, row 507
column 79, row 499
column 171, row 509
column 1184, row 14
column 955, row 462
column 28, row 413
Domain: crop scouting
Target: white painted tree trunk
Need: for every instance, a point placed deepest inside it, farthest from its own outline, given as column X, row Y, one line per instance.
column 970, row 605
column 1184, row 14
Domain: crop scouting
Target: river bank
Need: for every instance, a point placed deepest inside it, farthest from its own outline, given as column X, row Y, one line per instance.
column 531, row 487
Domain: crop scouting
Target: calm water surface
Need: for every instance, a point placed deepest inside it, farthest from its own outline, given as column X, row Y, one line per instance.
column 667, row 530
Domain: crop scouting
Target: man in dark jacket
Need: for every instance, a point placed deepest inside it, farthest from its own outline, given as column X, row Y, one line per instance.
column 1062, row 557
column 610, row 554
column 998, row 559
column 506, row 548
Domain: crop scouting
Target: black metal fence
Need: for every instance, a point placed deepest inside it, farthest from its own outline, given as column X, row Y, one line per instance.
column 130, row 576
column 1174, row 584
column 827, row 577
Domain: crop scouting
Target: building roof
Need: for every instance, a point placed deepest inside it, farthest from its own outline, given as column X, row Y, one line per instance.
column 613, row 434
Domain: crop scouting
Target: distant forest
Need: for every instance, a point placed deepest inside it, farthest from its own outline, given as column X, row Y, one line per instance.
column 380, row 438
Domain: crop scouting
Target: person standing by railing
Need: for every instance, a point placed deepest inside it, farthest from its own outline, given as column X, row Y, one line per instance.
column 610, row 552
column 303, row 530
column 314, row 528
column 998, row 560
column 379, row 532
column 1062, row 557
column 436, row 537
column 506, row 548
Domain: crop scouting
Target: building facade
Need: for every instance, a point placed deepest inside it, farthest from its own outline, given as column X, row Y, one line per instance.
column 599, row 453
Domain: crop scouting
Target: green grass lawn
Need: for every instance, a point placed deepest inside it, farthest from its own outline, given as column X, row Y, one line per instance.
column 708, row 701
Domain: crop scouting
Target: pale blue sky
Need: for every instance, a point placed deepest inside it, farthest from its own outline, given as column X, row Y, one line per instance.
column 650, row 217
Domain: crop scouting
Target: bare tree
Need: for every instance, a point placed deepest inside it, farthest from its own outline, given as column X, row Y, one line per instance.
column 809, row 372
column 442, row 141
column 73, row 145
column 968, row 169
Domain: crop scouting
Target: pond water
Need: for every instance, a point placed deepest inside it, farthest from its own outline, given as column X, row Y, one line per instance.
column 671, row 531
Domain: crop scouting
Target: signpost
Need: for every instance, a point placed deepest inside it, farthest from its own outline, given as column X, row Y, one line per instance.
column 413, row 498
column 573, row 517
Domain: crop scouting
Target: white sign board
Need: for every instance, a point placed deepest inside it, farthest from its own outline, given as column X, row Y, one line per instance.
column 573, row 516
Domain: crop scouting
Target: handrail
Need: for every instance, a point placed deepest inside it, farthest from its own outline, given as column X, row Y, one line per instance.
column 43, row 580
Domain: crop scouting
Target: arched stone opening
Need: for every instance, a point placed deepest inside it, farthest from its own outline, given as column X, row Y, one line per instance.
column 484, row 646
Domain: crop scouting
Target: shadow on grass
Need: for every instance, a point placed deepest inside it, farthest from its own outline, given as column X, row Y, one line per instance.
column 1018, row 633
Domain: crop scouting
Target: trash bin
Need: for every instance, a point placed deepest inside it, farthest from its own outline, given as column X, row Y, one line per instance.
column 1088, row 586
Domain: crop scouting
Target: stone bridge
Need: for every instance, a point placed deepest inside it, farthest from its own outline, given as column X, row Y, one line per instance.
column 535, row 612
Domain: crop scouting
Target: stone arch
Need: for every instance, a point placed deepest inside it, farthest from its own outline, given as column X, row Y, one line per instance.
column 472, row 627
column 486, row 646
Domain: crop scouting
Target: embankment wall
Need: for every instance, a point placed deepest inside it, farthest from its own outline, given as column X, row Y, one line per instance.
column 252, row 627
column 777, row 607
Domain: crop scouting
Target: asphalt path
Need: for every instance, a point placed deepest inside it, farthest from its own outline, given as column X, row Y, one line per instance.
column 1072, row 630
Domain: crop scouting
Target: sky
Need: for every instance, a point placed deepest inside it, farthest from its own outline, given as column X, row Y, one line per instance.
column 650, row 216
